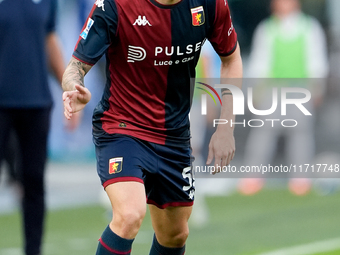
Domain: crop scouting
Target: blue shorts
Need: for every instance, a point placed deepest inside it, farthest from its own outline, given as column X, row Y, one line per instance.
column 165, row 171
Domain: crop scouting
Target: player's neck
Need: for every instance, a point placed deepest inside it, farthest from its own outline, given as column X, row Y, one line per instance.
column 168, row 2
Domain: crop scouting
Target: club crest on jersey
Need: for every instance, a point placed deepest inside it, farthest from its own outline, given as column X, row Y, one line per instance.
column 198, row 17
column 115, row 165
column 87, row 28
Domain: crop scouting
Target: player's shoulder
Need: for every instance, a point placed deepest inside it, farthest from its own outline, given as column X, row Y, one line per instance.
column 312, row 20
column 308, row 22
column 54, row 2
column 105, row 7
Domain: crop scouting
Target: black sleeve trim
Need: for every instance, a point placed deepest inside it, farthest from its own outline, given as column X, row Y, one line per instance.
column 81, row 58
column 230, row 52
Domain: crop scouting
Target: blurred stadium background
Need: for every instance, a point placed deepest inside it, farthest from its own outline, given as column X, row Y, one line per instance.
column 270, row 222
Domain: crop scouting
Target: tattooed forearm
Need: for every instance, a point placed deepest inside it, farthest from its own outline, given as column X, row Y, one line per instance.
column 74, row 74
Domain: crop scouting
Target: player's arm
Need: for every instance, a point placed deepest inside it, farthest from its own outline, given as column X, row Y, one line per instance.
column 55, row 56
column 95, row 39
column 222, row 143
column 75, row 95
column 74, row 74
column 231, row 66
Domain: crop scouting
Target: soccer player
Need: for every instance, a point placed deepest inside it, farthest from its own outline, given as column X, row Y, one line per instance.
column 28, row 47
column 141, row 125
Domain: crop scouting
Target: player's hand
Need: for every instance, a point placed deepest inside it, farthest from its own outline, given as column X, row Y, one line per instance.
column 74, row 101
column 72, row 124
column 221, row 149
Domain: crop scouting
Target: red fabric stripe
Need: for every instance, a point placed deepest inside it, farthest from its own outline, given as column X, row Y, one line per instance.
column 91, row 12
column 224, row 43
column 112, row 250
column 138, row 89
column 122, row 179
column 149, row 201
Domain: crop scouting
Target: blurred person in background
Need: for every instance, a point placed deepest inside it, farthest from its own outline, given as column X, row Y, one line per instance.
column 10, row 160
column 289, row 44
column 28, row 48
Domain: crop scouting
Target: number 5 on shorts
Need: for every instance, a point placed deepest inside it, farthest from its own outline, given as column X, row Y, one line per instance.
column 187, row 174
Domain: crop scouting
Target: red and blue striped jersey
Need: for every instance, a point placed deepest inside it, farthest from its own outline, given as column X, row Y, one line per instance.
column 151, row 51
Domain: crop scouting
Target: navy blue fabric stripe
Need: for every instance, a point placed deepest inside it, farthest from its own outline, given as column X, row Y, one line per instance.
column 103, row 104
column 185, row 37
column 158, row 249
column 116, row 242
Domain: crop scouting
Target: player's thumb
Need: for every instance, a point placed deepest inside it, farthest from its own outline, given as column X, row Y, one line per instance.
column 84, row 94
column 81, row 89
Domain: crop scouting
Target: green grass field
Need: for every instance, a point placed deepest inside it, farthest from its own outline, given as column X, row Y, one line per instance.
column 330, row 253
column 239, row 225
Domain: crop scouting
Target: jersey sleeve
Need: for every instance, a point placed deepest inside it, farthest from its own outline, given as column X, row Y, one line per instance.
column 223, row 36
column 51, row 23
column 98, row 33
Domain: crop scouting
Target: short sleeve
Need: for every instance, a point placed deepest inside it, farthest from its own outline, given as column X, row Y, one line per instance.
column 98, row 33
column 223, row 36
column 51, row 23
